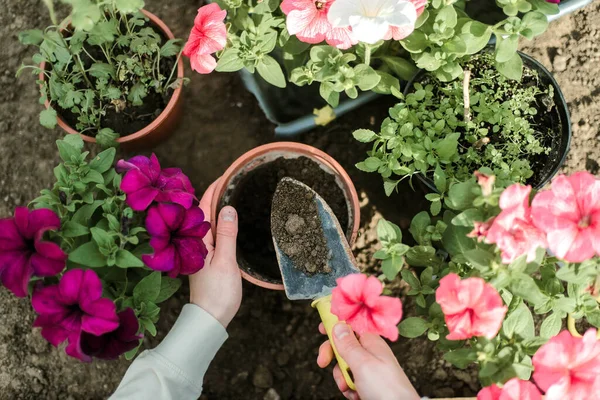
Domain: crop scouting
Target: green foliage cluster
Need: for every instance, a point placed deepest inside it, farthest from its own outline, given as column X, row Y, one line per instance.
column 448, row 34
column 103, row 56
column 542, row 290
column 258, row 41
column 99, row 231
column 428, row 133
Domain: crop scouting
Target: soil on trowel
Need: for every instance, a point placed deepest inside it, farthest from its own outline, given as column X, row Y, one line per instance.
column 297, row 229
column 253, row 198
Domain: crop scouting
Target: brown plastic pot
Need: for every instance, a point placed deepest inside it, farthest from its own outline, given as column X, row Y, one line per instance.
column 270, row 152
column 161, row 127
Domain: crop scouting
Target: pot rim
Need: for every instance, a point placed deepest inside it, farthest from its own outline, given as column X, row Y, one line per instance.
column 163, row 115
column 302, row 149
column 566, row 131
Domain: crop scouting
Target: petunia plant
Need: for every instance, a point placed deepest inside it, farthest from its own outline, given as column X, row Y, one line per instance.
column 102, row 249
column 106, row 69
column 499, row 275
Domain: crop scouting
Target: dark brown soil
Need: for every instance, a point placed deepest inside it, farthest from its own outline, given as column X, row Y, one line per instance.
column 296, row 228
column 253, row 198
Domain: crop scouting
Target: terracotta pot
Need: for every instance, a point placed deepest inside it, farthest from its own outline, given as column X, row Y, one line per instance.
column 161, row 127
column 267, row 153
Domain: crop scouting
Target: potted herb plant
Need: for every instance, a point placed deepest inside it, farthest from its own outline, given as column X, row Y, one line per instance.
column 249, row 185
column 488, row 293
column 447, row 130
column 109, row 71
column 95, row 249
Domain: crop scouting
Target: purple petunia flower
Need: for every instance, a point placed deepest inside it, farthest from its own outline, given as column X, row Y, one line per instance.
column 24, row 253
column 553, row 1
column 145, row 182
column 112, row 344
column 74, row 306
column 176, row 237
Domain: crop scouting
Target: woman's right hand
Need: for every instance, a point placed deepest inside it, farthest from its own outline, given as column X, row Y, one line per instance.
column 376, row 371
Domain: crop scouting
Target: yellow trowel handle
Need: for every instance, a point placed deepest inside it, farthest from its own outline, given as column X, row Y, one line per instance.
column 323, row 305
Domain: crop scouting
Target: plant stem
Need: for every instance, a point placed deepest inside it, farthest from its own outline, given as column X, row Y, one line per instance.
column 173, row 69
column 467, row 96
column 368, row 54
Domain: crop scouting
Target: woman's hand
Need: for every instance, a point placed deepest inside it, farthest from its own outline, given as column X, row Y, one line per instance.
column 217, row 288
column 375, row 369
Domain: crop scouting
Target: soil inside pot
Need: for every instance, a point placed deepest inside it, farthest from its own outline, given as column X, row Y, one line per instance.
column 253, row 198
column 296, row 228
column 486, row 11
column 120, row 114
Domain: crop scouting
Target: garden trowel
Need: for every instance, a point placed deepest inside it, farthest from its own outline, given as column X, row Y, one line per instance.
column 318, row 287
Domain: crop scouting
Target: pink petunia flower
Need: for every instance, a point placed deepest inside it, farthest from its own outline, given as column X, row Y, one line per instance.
column 74, row 306
column 471, row 307
column 146, row 182
column 307, row 19
column 399, row 33
column 357, row 300
column 486, row 182
column 208, row 36
column 112, row 344
column 480, row 230
column 514, row 389
column 176, row 237
column 23, row 251
column 512, row 230
column 568, row 368
column 569, row 214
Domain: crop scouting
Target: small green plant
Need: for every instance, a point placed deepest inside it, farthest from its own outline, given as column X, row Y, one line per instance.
column 432, row 132
column 101, row 64
column 449, row 34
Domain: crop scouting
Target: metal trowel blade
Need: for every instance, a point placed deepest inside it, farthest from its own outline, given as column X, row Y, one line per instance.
column 298, row 285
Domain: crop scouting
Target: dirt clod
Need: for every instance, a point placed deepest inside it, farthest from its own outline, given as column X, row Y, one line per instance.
column 262, row 378
column 304, row 243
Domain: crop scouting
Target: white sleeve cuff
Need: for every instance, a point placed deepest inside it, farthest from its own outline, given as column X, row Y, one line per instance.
column 193, row 342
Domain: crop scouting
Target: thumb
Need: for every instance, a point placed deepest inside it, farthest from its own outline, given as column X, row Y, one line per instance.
column 348, row 345
column 227, row 229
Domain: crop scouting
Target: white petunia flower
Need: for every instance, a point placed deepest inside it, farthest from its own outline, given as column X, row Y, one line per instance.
column 372, row 20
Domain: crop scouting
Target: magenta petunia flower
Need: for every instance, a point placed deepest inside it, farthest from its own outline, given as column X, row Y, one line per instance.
column 24, row 253
column 176, row 237
column 112, row 344
column 146, row 182
column 74, row 306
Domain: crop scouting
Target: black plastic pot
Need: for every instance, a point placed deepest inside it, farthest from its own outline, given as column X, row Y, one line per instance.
column 562, row 142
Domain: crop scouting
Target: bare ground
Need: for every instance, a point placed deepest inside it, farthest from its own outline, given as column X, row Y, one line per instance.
column 273, row 342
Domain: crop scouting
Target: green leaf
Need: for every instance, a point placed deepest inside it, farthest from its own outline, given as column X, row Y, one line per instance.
column 513, row 68
column 127, row 260
column 461, row 195
column 364, row 135
column 48, row 118
column 392, row 266
column 416, row 42
column 418, row 227
column 148, row 326
column 519, row 322
column 148, row 289
column 106, row 137
column 447, row 147
column 72, row 229
column 545, row 7
column 479, row 258
column 421, row 256
column 85, row 14
column 270, row 71
column 328, row 93
column 168, row 287
column 371, row 164
column 467, row 218
column 506, row 47
column 230, row 61
column 447, row 16
column 93, row 177
column 102, row 70
column 366, row 77
column 389, row 186
column 102, row 238
column 439, row 179
column 103, row 161
column 402, row 68
column 455, row 240
column 129, row 6
column 137, row 94
column 85, row 212
column 536, row 22
column 31, row 37
column 413, row 327
column 131, row 353
column 411, row 279
column 388, row 232
column 551, row 325
column 66, row 151
column 386, row 84
column 170, row 48
column 461, row 358
column 88, row 255
column 476, row 36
